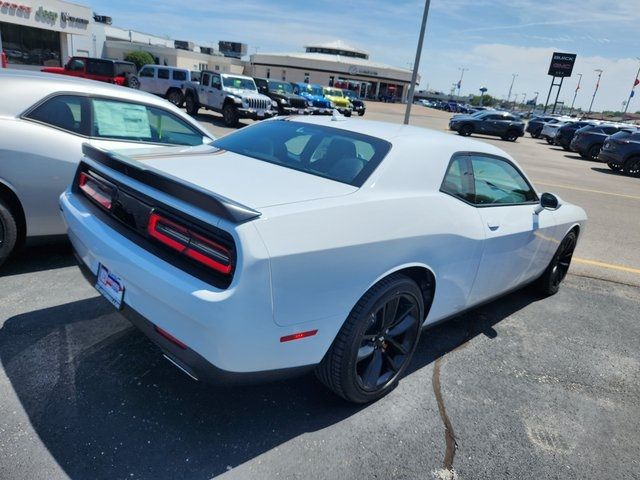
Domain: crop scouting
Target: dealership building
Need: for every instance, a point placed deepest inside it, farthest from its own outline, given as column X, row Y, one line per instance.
column 334, row 64
column 41, row 33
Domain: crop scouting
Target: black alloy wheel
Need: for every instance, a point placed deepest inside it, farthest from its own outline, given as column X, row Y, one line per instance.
column 594, row 151
column 535, row 134
column 376, row 343
column 466, row 130
column 132, row 81
column 549, row 282
column 632, row 167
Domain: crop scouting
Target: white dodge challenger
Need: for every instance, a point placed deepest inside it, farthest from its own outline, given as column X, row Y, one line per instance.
column 311, row 243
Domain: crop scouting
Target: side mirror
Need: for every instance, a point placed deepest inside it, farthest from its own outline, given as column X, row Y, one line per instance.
column 549, row 201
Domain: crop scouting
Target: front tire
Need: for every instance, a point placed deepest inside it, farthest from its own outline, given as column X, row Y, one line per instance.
column 8, row 232
column 361, row 113
column 347, row 113
column 549, row 283
column 191, row 105
column 466, row 130
column 614, row 167
column 230, row 115
column 594, row 151
column 176, row 97
column 376, row 343
column 132, row 81
column 535, row 134
column 511, row 136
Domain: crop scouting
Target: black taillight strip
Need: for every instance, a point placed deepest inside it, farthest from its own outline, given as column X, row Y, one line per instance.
column 208, row 201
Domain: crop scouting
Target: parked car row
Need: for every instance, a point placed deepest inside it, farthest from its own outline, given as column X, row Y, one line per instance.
column 616, row 144
column 234, row 96
column 489, row 122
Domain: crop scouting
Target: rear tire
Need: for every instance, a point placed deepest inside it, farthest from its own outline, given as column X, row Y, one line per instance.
column 549, row 283
column 535, row 134
column 361, row 113
column 230, row 115
column 614, row 167
column 632, row 167
column 593, row 152
column 191, row 105
column 347, row 113
column 132, row 81
column 367, row 358
column 549, row 141
column 175, row 97
column 8, row 232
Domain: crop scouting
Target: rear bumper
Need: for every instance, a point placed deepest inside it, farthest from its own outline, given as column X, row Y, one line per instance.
column 188, row 360
column 229, row 332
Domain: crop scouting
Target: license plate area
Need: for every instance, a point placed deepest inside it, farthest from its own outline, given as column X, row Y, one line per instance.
column 110, row 286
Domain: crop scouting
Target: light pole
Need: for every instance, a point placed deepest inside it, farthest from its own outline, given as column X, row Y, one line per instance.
column 599, row 70
column 416, row 63
column 576, row 93
column 513, row 79
column 524, row 99
column 635, row 82
column 462, row 70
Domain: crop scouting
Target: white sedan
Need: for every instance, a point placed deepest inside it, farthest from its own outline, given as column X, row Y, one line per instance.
column 312, row 243
column 45, row 119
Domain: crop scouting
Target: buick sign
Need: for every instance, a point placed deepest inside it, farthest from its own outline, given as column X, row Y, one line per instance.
column 562, row 64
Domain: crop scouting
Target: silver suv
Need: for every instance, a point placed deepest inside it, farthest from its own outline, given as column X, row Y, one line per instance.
column 234, row 96
column 168, row 82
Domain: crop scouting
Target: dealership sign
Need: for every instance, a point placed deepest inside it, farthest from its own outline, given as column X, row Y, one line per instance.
column 562, row 64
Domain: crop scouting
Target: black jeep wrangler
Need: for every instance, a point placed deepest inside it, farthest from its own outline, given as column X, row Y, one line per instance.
column 282, row 93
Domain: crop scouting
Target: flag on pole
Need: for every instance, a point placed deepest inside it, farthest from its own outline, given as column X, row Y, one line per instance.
column 633, row 92
column 636, row 83
column 459, row 83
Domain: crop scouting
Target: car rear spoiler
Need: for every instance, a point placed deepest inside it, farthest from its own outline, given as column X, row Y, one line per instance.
column 185, row 191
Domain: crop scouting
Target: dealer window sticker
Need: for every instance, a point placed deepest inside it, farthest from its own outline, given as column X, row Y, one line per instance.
column 121, row 120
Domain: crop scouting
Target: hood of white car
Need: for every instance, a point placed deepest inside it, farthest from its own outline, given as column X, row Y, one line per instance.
column 251, row 182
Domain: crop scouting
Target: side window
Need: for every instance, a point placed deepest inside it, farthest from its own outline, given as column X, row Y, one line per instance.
column 65, row 111
column 179, row 75
column 499, row 182
column 146, row 72
column 98, row 67
column 76, row 65
column 609, row 130
column 163, row 73
column 116, row 120
column 458, row 180
column 215, row 81
column 205, row 79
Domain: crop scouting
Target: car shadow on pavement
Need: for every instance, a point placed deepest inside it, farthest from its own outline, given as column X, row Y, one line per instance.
column 574, row 157
column 608, row 171
column 106, row 404
column 55, row 253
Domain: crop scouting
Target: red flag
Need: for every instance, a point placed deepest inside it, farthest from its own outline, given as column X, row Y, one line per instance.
column 637, row 82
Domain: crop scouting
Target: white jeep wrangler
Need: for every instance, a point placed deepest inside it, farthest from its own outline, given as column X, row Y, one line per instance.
column 234, row 96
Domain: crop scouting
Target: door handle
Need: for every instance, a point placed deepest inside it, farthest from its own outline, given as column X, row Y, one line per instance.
column 493, row 225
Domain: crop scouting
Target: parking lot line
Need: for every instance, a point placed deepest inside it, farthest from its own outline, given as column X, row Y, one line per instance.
column 595, row 263
column 635, row 197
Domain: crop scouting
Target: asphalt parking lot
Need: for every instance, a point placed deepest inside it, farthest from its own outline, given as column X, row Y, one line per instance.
column 522, row 388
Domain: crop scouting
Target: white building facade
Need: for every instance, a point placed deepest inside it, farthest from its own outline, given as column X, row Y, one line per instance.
column 334, row 64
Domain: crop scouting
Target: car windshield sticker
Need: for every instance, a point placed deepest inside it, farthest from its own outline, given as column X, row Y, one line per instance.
column 125, row 120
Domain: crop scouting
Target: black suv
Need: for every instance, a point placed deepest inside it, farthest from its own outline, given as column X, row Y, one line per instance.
column 282, row 93
column 499, row 124
column 588, row 141
column 621, row 151
column 536, row 124
column 358, row 105
column 565, row 133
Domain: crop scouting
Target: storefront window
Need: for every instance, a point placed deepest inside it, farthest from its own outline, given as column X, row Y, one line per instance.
column 30, row 46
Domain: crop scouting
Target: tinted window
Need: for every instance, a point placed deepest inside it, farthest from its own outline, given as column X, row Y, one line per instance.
column 458, row 181
column 146, row 72
column 498, row 182
column 133, row 122
column 64, row 111
column 332, row 153
column 205, row 79
column 195, row 76
column 76, row 65
column 609, row 130
column 179, row 75
column 122, row 69
column 215, row 81
column 163, row 73
column 102, row 68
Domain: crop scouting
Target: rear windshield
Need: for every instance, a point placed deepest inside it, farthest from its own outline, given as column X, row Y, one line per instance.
column 124, row 68
column 327, row 152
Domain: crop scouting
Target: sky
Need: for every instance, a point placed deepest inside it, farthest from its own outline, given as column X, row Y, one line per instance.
column 493, row 39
